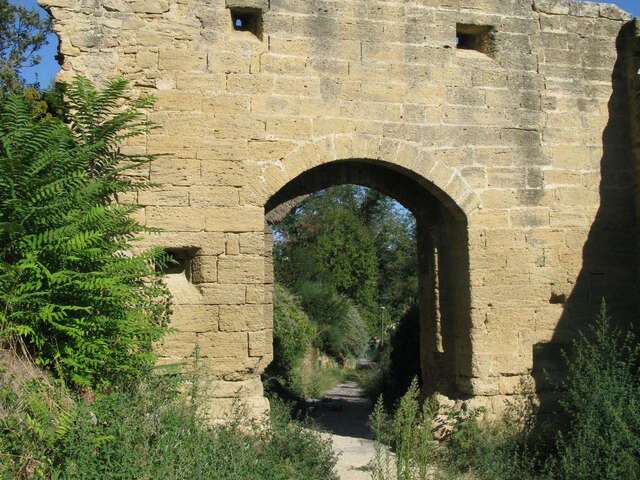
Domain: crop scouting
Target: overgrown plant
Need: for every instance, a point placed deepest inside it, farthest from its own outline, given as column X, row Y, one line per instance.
column 601, row 405
column 409, row 432
column 70, row 288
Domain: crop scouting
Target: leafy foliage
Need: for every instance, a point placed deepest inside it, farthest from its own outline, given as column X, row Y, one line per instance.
column 293, row 333
column 34, row 415
column 356, row 239
column 151, row 429
column 601, row 403
column 69, row 286
column 22, row 33
column 409, row 432
column 341, row 329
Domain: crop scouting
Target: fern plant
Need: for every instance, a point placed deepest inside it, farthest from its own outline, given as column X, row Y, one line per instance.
column 70, row 289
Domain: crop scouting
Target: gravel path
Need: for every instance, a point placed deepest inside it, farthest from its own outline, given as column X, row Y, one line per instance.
column 344, row 413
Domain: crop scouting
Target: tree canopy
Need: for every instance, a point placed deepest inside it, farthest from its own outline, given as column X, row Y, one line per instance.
column 22, row 33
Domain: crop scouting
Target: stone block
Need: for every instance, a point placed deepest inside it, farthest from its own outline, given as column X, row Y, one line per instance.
column 257, row 344
column 217, row 294
column 241, row 318
column 195, row 318
column 241, row 269
column 223, row 344
column 235, row 219
column 204, row 269
column 175, row 219
column 213, row 196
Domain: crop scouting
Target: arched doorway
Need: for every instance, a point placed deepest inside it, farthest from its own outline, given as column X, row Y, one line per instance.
column 442, row 247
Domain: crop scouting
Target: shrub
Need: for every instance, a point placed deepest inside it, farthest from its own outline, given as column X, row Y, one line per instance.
column 150, row 431
column 34, row 415
column 69, row 286
column 341, row 330
column 293, row 333
column 491, row 450
column 601, row 405
column 409, row 432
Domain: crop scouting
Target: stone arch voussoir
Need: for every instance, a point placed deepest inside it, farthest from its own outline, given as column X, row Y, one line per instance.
column 443, row 181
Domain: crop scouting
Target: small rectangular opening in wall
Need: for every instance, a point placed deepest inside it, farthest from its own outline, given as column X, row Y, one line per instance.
column 474, row 37
column 179, row 260
column 247, row 20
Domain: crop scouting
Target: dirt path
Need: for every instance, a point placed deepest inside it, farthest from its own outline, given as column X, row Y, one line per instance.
column 344, row 413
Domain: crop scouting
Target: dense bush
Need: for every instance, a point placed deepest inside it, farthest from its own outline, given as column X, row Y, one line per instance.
column 601, row 406
column 69, row 287
column 596, row 431
column 341, row 329
column 150, row 432
column 293, row 334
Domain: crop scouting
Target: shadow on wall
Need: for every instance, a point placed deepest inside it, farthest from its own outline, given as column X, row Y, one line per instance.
column 609, row 253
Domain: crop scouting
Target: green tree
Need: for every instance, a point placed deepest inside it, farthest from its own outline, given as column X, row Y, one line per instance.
column 22, row 33
column 327, row 237
column 70, row 288
column 346, row 249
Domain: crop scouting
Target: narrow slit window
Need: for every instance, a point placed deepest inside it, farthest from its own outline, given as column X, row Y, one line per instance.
column 247, row 20
column 474, row 37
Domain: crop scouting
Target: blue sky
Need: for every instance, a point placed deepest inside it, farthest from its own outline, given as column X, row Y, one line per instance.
column 49, row 67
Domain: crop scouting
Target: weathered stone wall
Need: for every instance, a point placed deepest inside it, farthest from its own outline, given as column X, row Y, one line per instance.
column 523, row 146
column 632, row 63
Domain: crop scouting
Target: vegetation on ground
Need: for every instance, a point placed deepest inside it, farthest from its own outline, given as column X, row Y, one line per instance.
column 151, row 429
column 595, row 432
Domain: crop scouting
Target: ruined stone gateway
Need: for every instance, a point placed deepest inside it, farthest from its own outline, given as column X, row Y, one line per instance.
column 503, row 125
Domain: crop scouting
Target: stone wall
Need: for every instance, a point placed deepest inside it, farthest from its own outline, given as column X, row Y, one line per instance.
column 518, row 135
column 632, row 61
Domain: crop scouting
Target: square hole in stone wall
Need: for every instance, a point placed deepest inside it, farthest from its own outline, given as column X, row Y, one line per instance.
column 180, row 260
column 247, row 20
column 475, row 37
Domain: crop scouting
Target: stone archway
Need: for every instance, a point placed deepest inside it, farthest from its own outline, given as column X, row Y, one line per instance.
column 442, row 250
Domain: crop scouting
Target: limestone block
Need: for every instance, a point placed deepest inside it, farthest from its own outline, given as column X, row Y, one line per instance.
column 150, row 6
column 176, row 219
column 241, row 318
column 251, row 387
column 177, row 345
column 212, row 196
column 235, row 219
column 257, row 344
column 195, row 318
column 232, row 244
column 204, row 269
column 174, row 197
column 251, row 243
column 223, row 344
column 241, row 269
column 251, row 4
column 256, row 294
column 217, row 294
column 168, row 100
column 221, row 173
column 167, row 170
